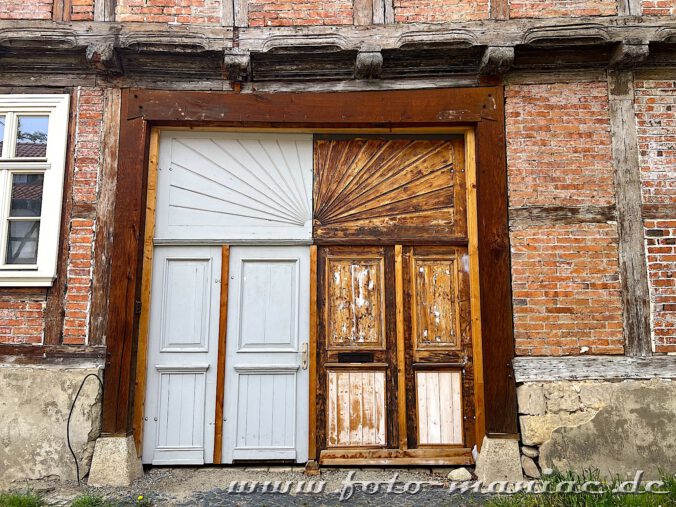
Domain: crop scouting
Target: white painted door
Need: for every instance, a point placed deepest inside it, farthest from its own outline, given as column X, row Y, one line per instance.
column 266, row 384
column 182, row 353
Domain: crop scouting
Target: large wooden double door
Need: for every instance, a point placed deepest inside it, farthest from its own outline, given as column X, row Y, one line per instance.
column 395, row 347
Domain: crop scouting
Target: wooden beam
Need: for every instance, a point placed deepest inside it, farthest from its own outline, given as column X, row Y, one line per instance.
column 528, row 216
column 629, row 8
column 362, row 12
column 313, row 357
column 222, row 344
column 659, row 211
column 475, row 287
column 401, row 345
column 547, row 369
column 499, row 9
column 497, row 327
column 104, row 10
column 125, row 274
column 633, row 269
column 105, row 206
column 146, row 292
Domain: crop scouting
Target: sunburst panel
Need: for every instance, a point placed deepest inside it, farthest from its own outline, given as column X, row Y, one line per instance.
column 384, row 188
column 227, row 186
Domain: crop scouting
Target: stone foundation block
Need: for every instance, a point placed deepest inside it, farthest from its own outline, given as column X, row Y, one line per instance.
column 499, row 460
column 115, row 462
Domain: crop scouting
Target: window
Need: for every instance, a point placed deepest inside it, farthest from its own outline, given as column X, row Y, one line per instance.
column 33, row 133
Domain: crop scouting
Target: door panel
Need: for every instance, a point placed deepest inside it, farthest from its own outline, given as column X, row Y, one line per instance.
column 182, row 349
column 439, row 407
column 357, row 349
column 266, row 386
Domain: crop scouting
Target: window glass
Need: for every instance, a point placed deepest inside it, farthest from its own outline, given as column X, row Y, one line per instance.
column 2, row 131
column 22, row 242
column 31, row 136
column 26, row 195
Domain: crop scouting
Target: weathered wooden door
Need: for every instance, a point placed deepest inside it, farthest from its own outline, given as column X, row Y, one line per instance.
column 395, row 350
column 183, row 344
column 266, row 384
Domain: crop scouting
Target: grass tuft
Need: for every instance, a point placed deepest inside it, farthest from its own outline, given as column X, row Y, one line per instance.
column 24, row 499
column 604, row 497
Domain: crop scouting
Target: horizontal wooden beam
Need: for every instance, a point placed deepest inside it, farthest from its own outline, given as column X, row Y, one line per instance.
column 37, row 353
column 664, row 211
column 527, row 216
column 545, row 369
column 207, row 56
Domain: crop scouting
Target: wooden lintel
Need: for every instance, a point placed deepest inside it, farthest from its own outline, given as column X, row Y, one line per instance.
column 632, row 261
column 547, row 369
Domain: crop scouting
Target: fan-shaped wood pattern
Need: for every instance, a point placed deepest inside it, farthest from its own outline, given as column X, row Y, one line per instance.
column 235, row 186
column 388, row 189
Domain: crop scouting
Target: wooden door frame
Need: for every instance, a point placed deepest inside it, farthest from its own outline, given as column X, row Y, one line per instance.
column 477, row 111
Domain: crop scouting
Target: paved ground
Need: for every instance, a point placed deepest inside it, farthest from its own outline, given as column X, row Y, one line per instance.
column 280, row 486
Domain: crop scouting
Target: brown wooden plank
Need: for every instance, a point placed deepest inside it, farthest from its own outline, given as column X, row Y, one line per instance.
column 48, row 351
column 464, row 459
column 312, row 358
column 495, row 272
column 500, row 9
column 528, row 216
column 125, row 273
column 401, row 346
column 105, row 207
column 659, row 211
column 220, row 364
column 633, row 267
column 475, row 289
column 434, row 107
column 146, row 292
column 362, row 12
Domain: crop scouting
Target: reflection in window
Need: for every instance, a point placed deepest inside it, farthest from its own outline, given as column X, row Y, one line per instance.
column 31, row 136
column 3, row 119
column 24, row 218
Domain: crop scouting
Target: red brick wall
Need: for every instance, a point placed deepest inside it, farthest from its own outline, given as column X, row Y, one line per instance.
column 82, row 10
column 22, row 316
column 658, row 7
column 168, row 11
column 305, row 12
column 655, row 103
column 561, row 8
column 440, row 11
column 558, row 144
column 564, row 277
column 28, row 9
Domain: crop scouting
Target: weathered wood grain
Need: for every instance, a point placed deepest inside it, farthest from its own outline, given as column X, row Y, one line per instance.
column 528, row 216
column 633, row 269
column 380, row 188
column 220, row 362
column 547, row 369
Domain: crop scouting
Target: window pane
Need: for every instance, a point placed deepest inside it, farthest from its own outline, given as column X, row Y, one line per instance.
column 2, row 131
column 22, row 242
column 26, row 195
column 31, row 137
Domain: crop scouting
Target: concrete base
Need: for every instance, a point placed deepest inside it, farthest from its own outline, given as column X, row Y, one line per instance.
column 499, row 460
column 115, row 462
column 34, row 404
column 617, row 428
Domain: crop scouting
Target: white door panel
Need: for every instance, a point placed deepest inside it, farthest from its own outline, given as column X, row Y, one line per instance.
column 182, row 352
column 266, row 397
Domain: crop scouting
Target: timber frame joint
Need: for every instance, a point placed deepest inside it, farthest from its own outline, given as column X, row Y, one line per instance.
column 369, row 63
column 237, row 65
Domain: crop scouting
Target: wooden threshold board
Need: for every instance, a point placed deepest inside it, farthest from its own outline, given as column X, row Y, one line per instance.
column 397, row 457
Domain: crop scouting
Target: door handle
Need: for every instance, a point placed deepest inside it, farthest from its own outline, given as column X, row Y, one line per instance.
column 303, row 356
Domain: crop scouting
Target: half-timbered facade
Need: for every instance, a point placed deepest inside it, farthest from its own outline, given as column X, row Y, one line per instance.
column 337, row 233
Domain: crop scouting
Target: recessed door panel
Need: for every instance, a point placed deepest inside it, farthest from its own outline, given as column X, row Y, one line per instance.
column 356, row 408
column 439, row 407
column 269, row 304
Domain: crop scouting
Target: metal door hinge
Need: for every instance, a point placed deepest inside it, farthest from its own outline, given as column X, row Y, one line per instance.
column 137, row 307
column 303, row 356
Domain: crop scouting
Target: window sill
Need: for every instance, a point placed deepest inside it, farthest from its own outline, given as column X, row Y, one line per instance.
column 25, row 281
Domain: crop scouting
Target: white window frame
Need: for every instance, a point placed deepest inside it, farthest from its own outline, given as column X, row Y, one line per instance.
column 43, row 273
